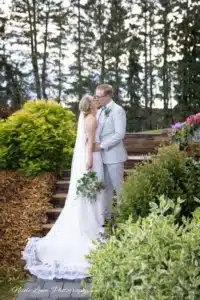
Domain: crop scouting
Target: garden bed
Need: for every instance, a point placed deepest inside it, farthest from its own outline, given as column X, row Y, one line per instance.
column 23, row 205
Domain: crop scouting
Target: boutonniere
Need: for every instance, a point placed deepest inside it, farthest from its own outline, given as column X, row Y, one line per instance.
column 107, row 112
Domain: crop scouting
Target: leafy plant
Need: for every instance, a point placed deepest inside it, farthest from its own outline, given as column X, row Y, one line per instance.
column 170, row 173
column 89, row 185
column 40, row 137
column 153, row 258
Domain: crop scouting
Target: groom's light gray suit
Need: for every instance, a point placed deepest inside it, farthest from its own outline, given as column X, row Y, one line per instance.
column 112, row 119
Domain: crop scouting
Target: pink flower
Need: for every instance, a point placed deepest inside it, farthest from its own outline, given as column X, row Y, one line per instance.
column 191, row 120
column 198, row 116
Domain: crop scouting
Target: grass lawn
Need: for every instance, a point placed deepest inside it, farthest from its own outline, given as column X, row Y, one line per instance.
column 156, row 131
column 10, row 289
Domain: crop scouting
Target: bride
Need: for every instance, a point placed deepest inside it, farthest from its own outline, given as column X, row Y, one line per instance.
column 62, row 252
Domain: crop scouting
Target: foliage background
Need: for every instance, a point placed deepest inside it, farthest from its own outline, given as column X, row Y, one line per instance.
column 149, row 50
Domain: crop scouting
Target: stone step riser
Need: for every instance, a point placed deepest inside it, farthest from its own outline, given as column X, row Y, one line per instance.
column 52, row 216
column 62, row 188
column 125, row 174
column 45, row 231
column 58, row 202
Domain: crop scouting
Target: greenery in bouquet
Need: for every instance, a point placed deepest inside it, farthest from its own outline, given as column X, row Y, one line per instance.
column 89, row 185
column 180, row 132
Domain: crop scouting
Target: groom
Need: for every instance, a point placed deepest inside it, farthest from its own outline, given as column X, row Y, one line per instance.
column 112, row 119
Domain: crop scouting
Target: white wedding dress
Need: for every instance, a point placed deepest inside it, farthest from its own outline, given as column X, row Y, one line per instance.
column 61, row 253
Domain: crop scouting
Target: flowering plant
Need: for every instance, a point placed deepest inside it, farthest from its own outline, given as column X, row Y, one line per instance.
column 89, row 185
column 180, row 132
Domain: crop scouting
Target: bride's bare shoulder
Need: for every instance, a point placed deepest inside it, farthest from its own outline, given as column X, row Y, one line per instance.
column 90, row 122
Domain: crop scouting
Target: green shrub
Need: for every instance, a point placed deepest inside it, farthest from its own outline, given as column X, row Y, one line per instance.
column 151, row 259
column 39, row 137
column 170, row 173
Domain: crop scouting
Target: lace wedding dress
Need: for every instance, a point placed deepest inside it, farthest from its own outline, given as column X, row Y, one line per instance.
column 61, row 253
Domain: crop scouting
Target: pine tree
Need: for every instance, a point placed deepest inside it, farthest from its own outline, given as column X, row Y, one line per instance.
column 58, row 43
column 98, row 11
column 11, row 79
column 25, row 15
column 187, row 89
column 134, row 70
column 164, row 58
column 146, row 18
column 116, row 40
column 133, row 106
column 82, row 37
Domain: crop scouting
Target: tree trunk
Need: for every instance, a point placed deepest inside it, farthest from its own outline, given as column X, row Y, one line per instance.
column 33, row 37
column 79, row 53
column 44, row 67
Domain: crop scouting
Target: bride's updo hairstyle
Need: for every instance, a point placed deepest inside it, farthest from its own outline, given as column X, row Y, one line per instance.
column 85, row 105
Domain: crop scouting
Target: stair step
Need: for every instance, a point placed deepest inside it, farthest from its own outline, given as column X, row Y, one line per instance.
column 53, row 214
column 139, row 157
column 58, row 199
column 54, row 210
column 46, row 228
column 60, row 195
column 131, row 158
column 62, row 185
column 65, row 173
column 63, row 182
column 64, row 178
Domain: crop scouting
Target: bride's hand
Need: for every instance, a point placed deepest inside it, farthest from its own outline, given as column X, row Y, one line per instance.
column 89, row 164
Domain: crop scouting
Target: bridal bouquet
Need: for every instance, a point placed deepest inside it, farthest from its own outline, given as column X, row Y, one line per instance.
column 89, row 185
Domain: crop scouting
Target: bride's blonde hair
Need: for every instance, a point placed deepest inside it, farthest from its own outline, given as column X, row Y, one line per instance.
column 84, row 105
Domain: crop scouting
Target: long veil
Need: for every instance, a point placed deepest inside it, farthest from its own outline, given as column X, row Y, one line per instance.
column 78, row 167
column 61, row 253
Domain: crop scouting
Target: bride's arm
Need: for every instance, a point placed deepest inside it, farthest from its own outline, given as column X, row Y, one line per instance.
column 90, row 131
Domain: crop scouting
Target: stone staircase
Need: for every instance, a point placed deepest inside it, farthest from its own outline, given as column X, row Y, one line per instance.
column 62, row 185
column 139, row 148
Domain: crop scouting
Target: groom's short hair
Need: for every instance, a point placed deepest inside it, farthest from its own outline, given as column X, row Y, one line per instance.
column 106, row 88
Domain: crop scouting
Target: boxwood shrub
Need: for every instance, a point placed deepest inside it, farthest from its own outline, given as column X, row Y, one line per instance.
column 171, row 173
column 39, row 137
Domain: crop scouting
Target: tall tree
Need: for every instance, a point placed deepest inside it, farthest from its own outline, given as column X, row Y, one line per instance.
column 82, row 37
column 146, row 18
column 165, row 55
column 44, row 20
column 98, row 11
column 58, row 43
column 133, row 106
column 116, row 39
column 187, row 89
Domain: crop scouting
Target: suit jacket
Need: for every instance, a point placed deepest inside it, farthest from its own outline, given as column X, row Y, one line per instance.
column 112, row 132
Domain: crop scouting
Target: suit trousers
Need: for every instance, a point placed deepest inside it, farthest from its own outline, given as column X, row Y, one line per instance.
column 113, row 178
